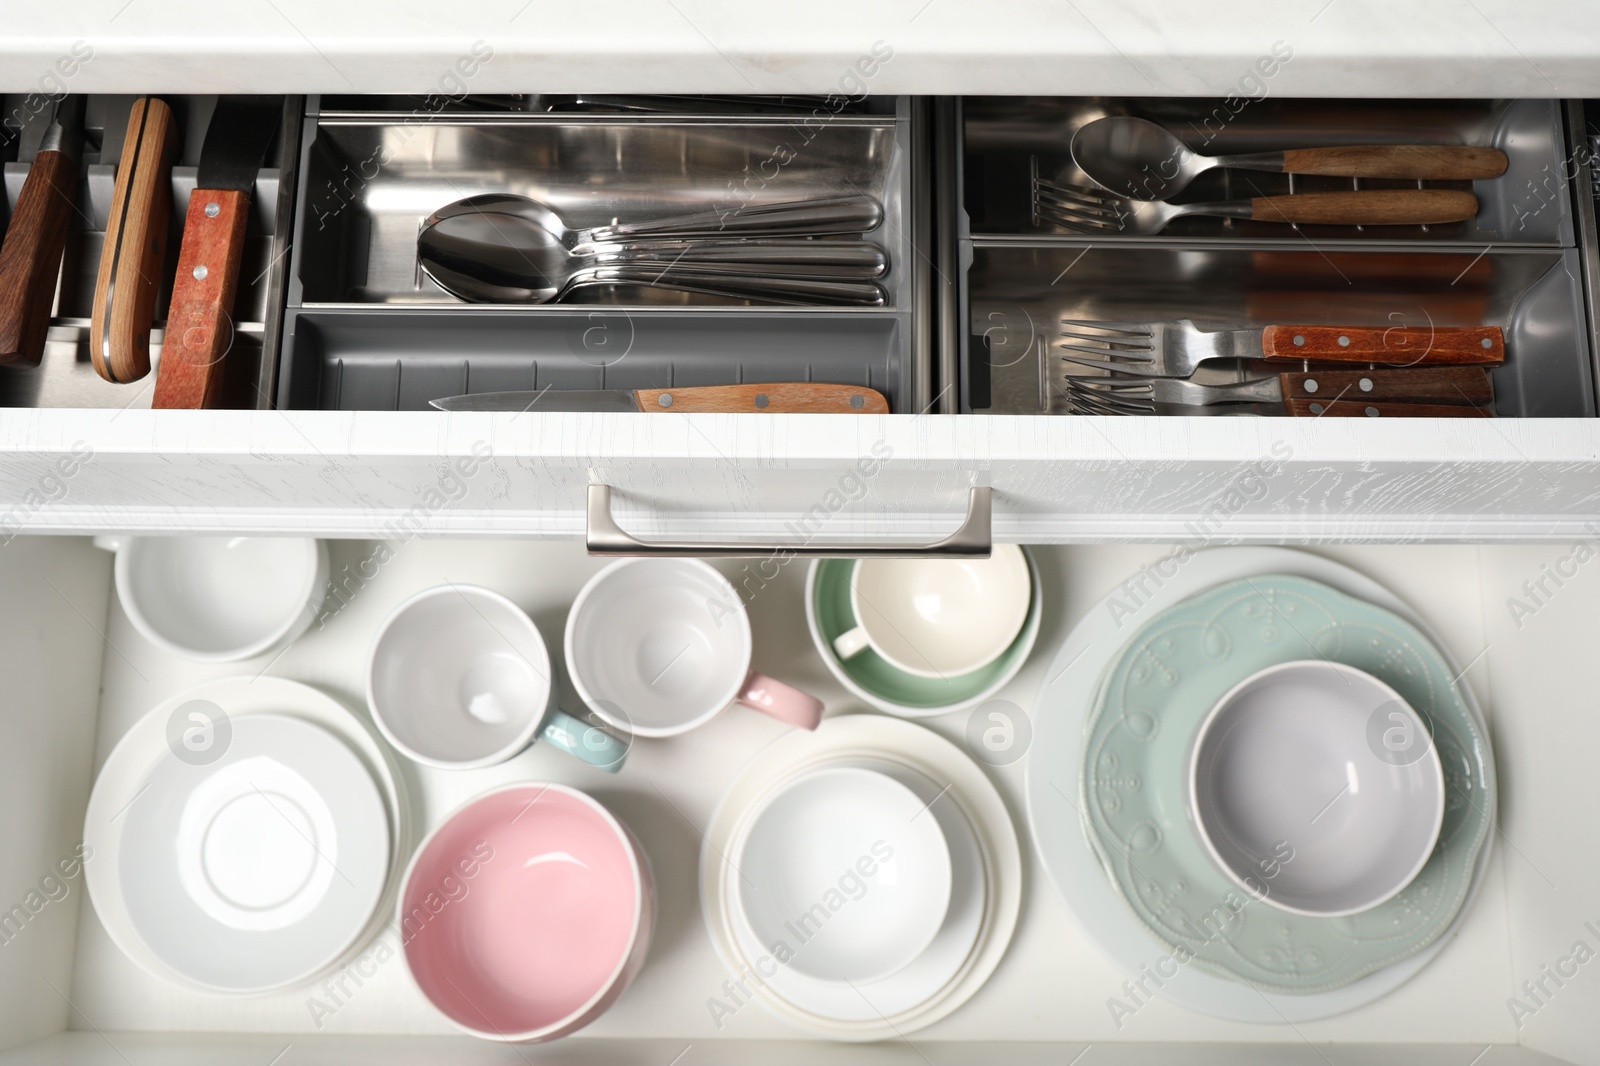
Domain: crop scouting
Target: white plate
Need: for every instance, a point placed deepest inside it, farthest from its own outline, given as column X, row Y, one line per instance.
column 1051, row 787
column 859, row 738
column 142, row 789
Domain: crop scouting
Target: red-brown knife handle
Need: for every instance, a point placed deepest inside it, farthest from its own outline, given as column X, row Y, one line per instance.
column 30, row 258
column 199, row 318
column 1440, row 384
column 1303, row 408
column 1393, row 345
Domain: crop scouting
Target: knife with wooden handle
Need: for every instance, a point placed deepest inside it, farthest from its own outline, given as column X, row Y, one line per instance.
column 1402, row 345
column 1303, row 407
column 778, row 397
column 199, row 316
column 1457, row 385
column 30, row 258
column 135, row 244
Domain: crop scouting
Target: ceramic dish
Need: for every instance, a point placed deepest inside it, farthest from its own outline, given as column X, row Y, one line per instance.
column 147, row 744
column 219, row 599
column 926, row 990
column 1052, row 787
column 526, row 913
column 1152, row 701
column 1316, row 788
column 871, row 678
column 260, row 869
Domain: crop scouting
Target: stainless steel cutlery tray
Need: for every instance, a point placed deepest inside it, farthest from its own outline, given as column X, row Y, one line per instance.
column 1519, row 266
column 367, row 330
column 65, row 377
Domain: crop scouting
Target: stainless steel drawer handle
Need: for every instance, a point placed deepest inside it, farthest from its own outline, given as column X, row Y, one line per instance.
column 973, row 540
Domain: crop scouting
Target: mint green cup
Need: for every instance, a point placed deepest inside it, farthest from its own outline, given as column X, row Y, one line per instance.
column 885, row 686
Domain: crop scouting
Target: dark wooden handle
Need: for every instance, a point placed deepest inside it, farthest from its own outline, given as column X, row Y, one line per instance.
column 1303, row 408
column 1428, row 162
column 199, row 319
column 1449, row 384
column 1368, row 207
column 30, row 258
column 779, row 397
column 1393, row 345
column 135, row 245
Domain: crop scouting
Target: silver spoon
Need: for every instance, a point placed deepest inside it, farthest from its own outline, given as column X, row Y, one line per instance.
column 1140, row 159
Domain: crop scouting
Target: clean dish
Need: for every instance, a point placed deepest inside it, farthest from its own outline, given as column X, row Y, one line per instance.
column 1299, row 799
column 145, row 746
column 459, row 678
column 874, row 679
column 938, row 618
column 1052, row 786
column 845, row 867
column 218, row 599
column 256, row 871
column 966, row 951
column 526, row 913
column 657, row 647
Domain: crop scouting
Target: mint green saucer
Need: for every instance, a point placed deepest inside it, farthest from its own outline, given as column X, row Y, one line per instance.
column 887, row 687
column 1151, row 700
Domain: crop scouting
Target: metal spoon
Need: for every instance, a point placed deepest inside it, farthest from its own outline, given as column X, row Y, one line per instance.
column 1140, row 159
column 796, row 291
column 499, row 241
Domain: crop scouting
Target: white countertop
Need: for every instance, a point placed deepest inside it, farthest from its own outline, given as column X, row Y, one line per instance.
column 1340, row 48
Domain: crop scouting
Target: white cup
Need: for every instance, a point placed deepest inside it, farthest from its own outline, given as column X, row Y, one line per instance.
column 658, row 646
column 218, row 599
column 938, row 617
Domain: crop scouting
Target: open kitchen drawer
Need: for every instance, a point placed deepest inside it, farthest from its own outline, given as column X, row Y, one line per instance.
column 78, row 674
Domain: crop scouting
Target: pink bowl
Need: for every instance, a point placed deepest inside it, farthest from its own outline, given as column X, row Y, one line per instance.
column 527, row 913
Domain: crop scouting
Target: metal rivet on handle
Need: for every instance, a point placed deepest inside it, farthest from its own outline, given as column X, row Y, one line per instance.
column 761, row 399
column 1316, row 408
column 1311, row 385
column 200, row 272
column 857, row 401
column 1365, row 384
column 1298, row 339
column 665, row 399
column 1344, row 342
column 1372, row 412
column 213, row 210
column 1486, row 343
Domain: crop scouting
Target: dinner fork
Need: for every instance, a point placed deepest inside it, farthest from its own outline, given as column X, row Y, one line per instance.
column 1457, row 391
column 1175, row 348
column 1087, row 210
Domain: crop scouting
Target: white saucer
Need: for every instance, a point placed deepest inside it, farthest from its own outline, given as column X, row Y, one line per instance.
column 1051, row 787
column 257, row 871
column 882, row 741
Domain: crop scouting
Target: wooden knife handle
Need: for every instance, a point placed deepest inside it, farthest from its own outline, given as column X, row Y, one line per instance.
column 1448, row 385
column 1428, row 162
column 199, row 318
column 1306, row 408
column 135, row 244
column 30, row 258
column 1395, row 345
column 1367, row 207
column 779, row 397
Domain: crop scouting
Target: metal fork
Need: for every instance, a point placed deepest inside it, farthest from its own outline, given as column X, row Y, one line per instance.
column 1087, row 210
column 1121, row 396
column 1173, row 349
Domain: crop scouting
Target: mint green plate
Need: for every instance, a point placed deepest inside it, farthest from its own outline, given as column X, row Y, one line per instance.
column 1152, row 699
column 886, row 686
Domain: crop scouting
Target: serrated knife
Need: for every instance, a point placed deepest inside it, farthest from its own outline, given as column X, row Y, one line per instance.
column 784, row 397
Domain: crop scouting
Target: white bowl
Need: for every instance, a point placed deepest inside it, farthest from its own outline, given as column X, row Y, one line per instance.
column 846, row 869
column 459, row 678
column 219, row 599
column 1316, row 788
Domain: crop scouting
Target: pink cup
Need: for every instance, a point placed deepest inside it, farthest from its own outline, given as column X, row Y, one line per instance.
column 527, row 913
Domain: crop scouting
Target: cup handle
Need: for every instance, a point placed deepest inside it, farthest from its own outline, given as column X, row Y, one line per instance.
column 111, row 542
column 588, row 743
column 784, row 702
column 852, row 643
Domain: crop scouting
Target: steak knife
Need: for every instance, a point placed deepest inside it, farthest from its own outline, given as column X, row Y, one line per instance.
column 779, row 397
column 30, row 258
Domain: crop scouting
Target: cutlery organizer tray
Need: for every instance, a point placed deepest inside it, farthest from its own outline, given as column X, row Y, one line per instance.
column 1522, row 264
column 66, row 377
column 366, row 329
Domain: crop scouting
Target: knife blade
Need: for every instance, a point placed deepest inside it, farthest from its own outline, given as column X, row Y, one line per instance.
column 135, row 244
column 242, row 128
column 30, row 257
column 797, row 397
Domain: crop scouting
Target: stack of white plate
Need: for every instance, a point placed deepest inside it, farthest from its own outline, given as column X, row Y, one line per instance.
column 863, row 881
column 244, row 837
